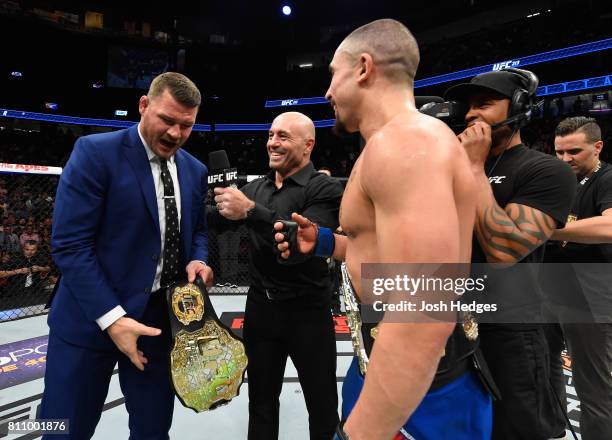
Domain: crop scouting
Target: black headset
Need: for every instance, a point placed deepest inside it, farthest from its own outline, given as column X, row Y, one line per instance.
column 521, row 106
column 523, row 99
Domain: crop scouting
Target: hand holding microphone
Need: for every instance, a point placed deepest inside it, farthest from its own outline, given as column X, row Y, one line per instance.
column 232, row 203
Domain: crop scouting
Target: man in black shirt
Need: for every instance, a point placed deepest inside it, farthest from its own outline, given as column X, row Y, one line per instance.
column 579, row 284
column 523, row 195
column 288, row 310
column 27, row 275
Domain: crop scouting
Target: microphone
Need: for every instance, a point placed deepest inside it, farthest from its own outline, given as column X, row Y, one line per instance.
column 533, row 111
column 221, row 174
column 520, row 118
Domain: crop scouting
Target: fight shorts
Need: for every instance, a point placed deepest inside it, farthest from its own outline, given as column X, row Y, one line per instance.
column 459, row 410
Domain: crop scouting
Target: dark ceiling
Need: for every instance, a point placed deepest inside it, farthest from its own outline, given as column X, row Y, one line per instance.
column 253, row 62
column 251, row 21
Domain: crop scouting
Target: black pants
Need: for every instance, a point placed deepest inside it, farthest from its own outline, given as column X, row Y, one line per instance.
column 590, row 348
column 556, row 344
column 302, row 329
column 519, row 362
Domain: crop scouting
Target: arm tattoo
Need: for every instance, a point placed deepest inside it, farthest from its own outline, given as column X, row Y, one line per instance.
column 515, row 231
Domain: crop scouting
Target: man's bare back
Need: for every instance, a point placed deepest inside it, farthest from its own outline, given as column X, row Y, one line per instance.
column 413, row 173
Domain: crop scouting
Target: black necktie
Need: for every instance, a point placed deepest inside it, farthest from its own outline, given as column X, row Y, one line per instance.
column 172, row 240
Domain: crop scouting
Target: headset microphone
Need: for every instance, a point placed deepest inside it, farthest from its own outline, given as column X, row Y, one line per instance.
column 521, row 106
column 526, row 116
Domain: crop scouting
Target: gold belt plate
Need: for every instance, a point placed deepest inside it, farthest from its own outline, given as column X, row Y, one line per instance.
column 207, row 366
column 187, row 304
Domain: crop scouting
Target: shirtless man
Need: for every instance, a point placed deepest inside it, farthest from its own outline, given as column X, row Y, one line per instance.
column 408, row 200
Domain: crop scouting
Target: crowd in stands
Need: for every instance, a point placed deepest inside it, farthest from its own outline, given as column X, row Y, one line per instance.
column 27, row 274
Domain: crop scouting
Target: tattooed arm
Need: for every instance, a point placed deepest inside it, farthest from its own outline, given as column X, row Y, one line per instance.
column 508, row 235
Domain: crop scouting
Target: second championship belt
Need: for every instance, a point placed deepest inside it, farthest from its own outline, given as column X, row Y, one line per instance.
column 353, row 318
column 207, row 362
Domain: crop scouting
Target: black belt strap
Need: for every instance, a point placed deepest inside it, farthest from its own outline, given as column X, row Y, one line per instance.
column 209, row 311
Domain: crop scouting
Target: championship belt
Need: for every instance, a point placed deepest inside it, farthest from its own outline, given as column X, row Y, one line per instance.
column 207, row 362
column 353, row 318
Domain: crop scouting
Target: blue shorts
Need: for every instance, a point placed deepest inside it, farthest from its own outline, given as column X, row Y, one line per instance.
column 460, row 410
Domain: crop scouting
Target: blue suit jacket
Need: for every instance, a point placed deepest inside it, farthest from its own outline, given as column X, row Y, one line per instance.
column 106, row 239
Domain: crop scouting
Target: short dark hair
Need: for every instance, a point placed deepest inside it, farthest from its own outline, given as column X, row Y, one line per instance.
column 582, row 124
column 392, row 46
column 180, row 87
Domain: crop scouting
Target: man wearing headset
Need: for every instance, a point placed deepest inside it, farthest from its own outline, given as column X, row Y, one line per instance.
column 522, row 197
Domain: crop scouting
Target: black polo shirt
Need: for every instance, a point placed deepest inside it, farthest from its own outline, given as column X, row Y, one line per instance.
column 309, row 193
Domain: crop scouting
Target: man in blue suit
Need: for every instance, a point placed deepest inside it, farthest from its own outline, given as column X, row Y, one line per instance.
column 129, row 216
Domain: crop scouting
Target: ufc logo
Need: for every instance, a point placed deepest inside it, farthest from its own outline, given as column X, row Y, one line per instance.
column 496, row 179
column 506, row 64
column 214, row 178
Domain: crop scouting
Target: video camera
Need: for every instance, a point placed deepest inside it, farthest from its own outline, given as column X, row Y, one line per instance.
column 452, row 113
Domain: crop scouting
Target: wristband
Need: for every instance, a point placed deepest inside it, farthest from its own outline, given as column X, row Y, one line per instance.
column 325, row 243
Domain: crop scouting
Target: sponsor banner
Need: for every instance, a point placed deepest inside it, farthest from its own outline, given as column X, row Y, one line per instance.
column 22, row 361
column 29, row 169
